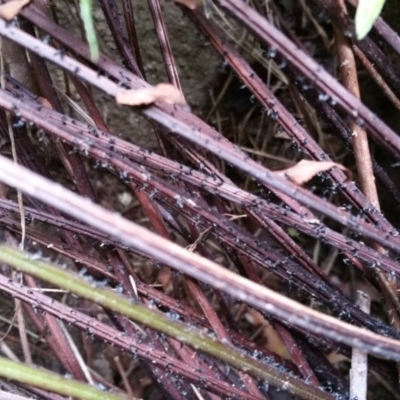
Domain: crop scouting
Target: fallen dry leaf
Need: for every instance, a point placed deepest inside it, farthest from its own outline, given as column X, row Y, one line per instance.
column 162, row 92
column 10, row 10
column 305, row 170
column 192, row 4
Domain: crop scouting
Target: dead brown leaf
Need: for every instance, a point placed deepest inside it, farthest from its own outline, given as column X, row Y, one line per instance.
column 305, row 170
column 10, row 10
column 192, row 4
column 162, row 92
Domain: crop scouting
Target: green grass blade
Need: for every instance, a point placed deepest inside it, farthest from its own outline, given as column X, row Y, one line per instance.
column 367, row 13
column 86, row 7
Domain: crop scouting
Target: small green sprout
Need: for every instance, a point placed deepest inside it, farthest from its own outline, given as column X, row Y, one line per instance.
column 367, row 13
column 86, row 7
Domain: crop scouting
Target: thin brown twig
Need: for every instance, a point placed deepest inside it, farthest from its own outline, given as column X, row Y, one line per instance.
column 348, row 73
column 123, row 375
column 377, row 77
column 22, row 325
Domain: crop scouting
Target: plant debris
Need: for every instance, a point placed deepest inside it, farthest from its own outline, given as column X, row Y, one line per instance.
column 162, row 92
column 10, row 10
column 305, row 170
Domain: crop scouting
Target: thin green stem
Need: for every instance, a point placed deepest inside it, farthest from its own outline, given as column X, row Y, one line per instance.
column 47, row 380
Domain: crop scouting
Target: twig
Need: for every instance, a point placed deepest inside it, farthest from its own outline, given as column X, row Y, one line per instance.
column 377, row 77
column 359, row 359
column 348, row 73
column 124, row 376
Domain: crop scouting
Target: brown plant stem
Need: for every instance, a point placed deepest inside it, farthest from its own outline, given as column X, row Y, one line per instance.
column 377, row 77
column 348, row 74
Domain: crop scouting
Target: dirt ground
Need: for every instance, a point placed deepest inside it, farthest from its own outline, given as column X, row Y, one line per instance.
column 196, row 61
